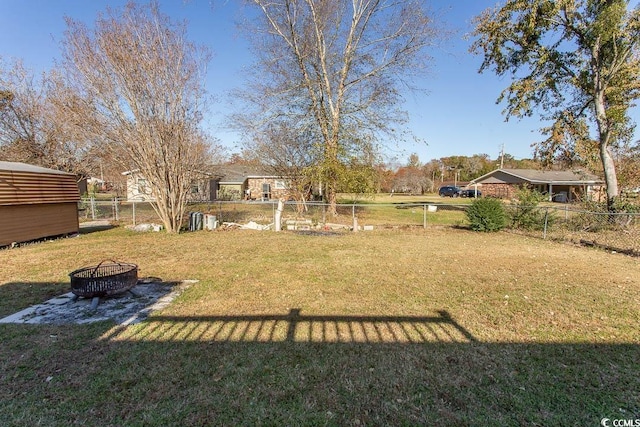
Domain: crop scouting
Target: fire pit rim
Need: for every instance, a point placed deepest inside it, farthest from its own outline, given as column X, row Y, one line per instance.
column 104, row 279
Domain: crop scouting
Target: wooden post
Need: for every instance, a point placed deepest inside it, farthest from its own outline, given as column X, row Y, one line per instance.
column 424, row 216
column 93, row 208
column 278, row 216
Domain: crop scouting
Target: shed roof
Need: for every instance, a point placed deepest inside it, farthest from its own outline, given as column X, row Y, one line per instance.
column 545, row 176
column 24, row 167
column 230, row 174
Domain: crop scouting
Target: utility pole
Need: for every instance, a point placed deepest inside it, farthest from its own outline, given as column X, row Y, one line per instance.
column 502, row 156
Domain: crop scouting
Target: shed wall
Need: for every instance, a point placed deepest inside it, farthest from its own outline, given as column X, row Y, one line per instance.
column 19, row 188
column 21, row 223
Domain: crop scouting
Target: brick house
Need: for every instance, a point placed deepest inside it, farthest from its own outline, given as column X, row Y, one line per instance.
column 561, row 186
column 247, row 182
column 227, row 182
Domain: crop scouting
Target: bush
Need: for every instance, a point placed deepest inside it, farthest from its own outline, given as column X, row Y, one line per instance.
column 525, row 214
column 486, row 215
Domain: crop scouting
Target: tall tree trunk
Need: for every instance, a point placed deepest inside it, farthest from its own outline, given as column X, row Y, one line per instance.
column 331, row 172
column 604, row 131
column 610, row 175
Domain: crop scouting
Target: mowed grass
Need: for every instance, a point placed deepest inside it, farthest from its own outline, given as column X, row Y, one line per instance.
column 390, row 327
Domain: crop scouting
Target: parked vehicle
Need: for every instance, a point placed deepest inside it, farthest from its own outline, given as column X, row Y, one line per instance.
column 470, row 192
column 449, row 191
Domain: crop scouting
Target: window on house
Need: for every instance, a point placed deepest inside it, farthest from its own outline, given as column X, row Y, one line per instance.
column 142, row 185
column 280, row 184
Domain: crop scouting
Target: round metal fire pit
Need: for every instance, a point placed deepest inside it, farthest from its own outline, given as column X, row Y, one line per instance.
column 105, row 279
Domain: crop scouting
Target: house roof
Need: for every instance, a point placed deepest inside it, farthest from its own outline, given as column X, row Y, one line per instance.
column 24, row 167
column 237, row 174
column 231, row 174
column 544, row 176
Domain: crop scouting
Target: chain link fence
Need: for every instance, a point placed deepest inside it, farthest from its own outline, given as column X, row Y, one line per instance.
column 294, row 215
column 614, row 231
column 618, row 231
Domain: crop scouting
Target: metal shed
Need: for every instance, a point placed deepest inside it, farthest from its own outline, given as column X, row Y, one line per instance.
column 36, row 202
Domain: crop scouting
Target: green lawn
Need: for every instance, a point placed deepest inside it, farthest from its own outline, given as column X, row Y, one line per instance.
column 391, row 327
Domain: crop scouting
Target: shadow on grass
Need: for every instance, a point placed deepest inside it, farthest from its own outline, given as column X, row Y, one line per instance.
column 52, row 303
column 95, row 226
column 295, row 327
column 282, row 370
column 15, row 296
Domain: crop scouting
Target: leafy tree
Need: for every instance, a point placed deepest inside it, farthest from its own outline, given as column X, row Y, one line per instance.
column 575, row 60
column 433, row 171
column 139, row 91
column 413, row 177
column 363, row 179
column 385, row 178
column 414, row 161
column 629, row 166
column 337, row 66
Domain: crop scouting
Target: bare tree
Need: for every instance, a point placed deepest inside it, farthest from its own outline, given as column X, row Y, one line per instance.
column 339, row 66
column 21, row 137
column 30, row 130
column 140, row 83
column 289, row 153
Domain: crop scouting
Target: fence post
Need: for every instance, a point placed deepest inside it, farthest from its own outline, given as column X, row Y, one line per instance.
column 277, row 220
column 353, row 217
column 324, row 214
column 115, row 206
column 133, row 212
column 424, row 216
column 93, row 208
column 546, row 221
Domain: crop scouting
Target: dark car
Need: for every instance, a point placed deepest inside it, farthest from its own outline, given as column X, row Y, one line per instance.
column 449, row 191
column 470, row 193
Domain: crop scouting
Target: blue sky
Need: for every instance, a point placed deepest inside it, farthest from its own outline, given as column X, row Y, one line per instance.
column 457, row 116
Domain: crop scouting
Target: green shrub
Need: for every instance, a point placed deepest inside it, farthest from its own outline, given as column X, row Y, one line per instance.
column 525, row 213
column 486, row 215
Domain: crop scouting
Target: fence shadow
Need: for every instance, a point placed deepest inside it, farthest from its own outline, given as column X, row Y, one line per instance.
column 296, row 327
column 219, row 370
